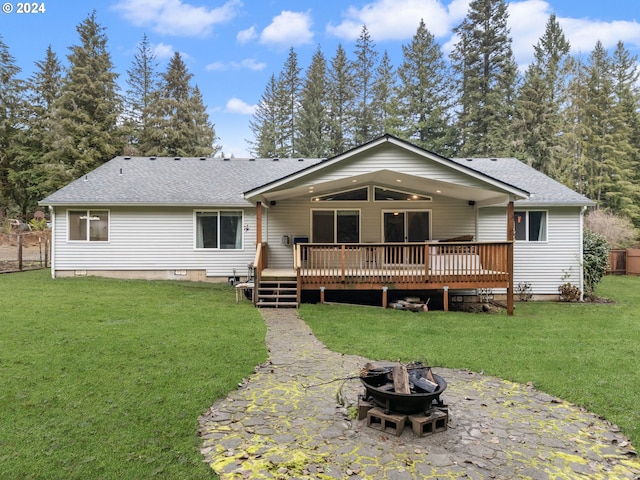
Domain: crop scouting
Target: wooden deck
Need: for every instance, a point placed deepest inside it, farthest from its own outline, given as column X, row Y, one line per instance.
column 404, row 266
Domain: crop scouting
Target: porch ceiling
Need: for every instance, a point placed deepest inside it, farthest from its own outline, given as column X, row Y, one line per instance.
column 393, row 180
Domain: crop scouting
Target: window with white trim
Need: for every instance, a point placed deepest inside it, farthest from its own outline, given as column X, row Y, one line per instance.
column 88, row 225
column 530, row 225
column 335, row 226
column 221, row 229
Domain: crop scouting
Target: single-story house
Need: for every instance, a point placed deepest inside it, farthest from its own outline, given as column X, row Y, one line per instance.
column 384, row 216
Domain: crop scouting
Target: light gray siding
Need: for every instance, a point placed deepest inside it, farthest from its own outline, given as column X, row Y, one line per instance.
column 449, row 218
column 546, row 265
column 151, row 239
column 402, row 161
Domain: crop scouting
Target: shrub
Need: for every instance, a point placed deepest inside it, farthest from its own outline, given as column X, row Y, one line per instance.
column 595, row 260
column 569, row 292
column 523, row 291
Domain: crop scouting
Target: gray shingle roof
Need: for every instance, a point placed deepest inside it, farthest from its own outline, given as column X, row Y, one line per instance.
column 217, row 181
column 170, row 181
column 543, row 189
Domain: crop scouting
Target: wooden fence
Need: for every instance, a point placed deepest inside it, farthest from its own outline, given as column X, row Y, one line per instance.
column 624, row 262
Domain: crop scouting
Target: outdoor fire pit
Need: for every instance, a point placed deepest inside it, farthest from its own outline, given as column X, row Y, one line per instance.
column 403, row 394
column 379, row 385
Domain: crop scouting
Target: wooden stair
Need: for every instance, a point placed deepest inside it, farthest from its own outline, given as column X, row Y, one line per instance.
column 277, row 293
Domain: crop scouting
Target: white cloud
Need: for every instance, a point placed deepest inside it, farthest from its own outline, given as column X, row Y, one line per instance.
column 583, row 33
column 397, row 19
column 235, row 105
column 527, row 22
column 245, row 36
column 174, row 17
column 246, row 64
column 162, row 51
column 288, row 29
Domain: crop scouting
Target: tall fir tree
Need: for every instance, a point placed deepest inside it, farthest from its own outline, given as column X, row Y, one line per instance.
column 288, row 98
column 384, row 104
column 341, row 102
column 88, row 109
column 424, row 94
column 313, row 119
column 36, row 177
column 572, row 170
column 12, row 109
column 364, row 74
column 177, row 123
column 486, row 74
column 142, row 81
column 537, row 116
column 265, row 123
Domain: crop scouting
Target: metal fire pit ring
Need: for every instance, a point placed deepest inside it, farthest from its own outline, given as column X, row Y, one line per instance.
column 404, row 403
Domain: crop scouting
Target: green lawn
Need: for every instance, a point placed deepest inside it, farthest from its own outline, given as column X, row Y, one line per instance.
column 104, row 378
column 588, row 354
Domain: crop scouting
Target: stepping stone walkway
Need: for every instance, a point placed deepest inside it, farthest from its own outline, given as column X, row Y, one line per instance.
column 293, row 420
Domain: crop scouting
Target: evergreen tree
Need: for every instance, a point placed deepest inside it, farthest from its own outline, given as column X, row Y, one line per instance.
column 625, row 199
column 11, row 121
column 424, row 94
column 364, row 70
column 34, row 177
column 288, row 98
column 486, row 70
column 143, row 81
column 384, row 105
column 341, row 103
column 265, row 123
column 313, row 122
column 537, row 119
column 87, row 111
column 572, row 170
column 177, row 122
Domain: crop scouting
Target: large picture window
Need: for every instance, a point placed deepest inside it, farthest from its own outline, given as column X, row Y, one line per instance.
column 219, row 229
column 335, row 226
column 88, row 225
column 530, row 225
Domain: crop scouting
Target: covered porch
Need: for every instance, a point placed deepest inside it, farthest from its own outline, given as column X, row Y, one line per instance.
column 420, row 266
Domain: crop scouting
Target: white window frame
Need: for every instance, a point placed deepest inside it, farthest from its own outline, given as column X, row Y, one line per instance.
column 424, row 198
column 218, row 213
column 526, row 225
column 89, row 215
column 335, row 222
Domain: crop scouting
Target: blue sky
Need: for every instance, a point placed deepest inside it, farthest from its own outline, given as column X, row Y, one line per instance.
column 233, row 47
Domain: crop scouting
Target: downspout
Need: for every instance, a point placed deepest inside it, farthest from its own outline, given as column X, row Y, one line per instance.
column 581, row 259
column 52, row 253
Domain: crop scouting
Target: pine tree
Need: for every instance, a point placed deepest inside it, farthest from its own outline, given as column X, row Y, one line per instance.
column 143, row 81
column 572, row 169
column 313, row 119
column 364, row 70
column 384, row 105
column 537, row 119
column 424, row 94
column 87, row 111
column 11, row 118
column 265, row 123
column 341, row 103
column 177, row 122
column 623, row 196
column 486, row 70
column 288, row 98
column 34, row 177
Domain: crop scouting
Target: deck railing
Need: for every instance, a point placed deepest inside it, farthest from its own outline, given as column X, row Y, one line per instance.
column 405, row 265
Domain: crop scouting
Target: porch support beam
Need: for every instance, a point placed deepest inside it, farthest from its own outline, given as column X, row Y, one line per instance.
column 445, row 299
column 510, row 238
column 258, row 223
